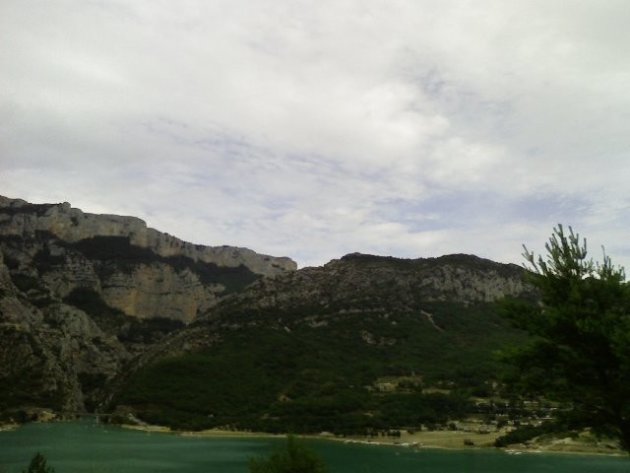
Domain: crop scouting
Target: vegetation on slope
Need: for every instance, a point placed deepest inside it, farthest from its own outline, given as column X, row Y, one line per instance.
column 282, row 374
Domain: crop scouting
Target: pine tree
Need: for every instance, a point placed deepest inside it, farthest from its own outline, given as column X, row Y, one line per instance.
column 580, row 349
column 294, row 458
column 39, row 465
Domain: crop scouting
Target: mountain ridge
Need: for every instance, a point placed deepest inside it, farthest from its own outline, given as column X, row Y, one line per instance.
column 101, row 322
column 306, row 343
column 18, row 217
column 83, row 294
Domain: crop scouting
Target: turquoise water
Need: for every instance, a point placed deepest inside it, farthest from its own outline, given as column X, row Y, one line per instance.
column 82, row 447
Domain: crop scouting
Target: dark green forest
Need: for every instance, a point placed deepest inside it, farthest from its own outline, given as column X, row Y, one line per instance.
column 298, row 378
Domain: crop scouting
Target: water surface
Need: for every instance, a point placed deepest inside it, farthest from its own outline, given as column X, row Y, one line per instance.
column 86, row 447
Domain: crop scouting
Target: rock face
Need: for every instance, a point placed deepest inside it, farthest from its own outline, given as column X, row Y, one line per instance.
column 86, row 300
column 20, row 218
column 312, row 345
column 357, row 287
column 138, row 270
column 82, row 294
column 358, row 281
column 54, row 357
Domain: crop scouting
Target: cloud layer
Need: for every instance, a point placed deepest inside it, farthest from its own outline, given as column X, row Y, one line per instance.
column 313, row 129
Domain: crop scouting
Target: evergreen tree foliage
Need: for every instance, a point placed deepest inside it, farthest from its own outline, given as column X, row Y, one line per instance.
column 580, row 349
column 294, row 458
column 39, row 465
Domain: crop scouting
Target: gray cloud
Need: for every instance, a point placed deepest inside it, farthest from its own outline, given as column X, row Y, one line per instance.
column 311, row 129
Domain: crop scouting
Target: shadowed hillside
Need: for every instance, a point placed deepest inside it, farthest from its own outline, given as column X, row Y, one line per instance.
column 361, row 344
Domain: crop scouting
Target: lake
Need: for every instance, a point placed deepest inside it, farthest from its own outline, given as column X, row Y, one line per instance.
column 86, row 447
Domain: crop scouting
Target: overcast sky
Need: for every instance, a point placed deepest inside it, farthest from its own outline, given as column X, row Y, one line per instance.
column 312, row 129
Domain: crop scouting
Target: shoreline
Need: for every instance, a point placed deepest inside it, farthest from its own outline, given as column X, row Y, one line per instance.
column 423, row 440
column 9, row 427
column 426, row 440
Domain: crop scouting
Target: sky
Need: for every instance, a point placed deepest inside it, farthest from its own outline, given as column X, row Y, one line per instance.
column 312, row 129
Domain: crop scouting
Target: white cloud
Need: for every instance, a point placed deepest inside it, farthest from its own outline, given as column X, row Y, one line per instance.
column 316, row 128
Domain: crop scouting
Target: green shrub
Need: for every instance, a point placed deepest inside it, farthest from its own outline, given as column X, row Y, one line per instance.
column 294, row 458
column 39, row 465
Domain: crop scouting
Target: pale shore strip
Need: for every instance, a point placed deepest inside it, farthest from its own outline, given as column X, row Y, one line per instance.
column 7, row 427
column 441, row 439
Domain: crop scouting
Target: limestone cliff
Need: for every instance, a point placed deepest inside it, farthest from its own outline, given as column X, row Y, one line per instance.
column 138, row 270
column 311, row 346
column 54, row 357
column 81, row 295
column 88, row 300
column 20, row 218
column 358, row 287
column 359, row 281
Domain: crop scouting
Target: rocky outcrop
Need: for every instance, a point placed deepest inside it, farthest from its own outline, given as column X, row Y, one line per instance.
column 20, row 218
column 140, row 285
column 160, row 290
column 54, row 357
column 137, row 270
column 81, row 295
column 366, row 282
column 143, row 290
column 87, row 300
column 313, row 336
column 356, row 287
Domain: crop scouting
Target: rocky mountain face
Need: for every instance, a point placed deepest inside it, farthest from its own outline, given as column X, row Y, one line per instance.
column 355, row 285
column 97, row 308
column 306, row 342
column 82, row 294
column 138, row 270
column 20, row 218
column 357, row 282
column 51, row 356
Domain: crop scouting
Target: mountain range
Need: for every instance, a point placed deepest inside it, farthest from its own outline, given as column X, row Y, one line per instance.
column 100, row 312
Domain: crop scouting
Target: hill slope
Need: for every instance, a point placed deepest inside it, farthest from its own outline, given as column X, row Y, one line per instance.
column 101, row 312
column 82, row 294
column 348, row 347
